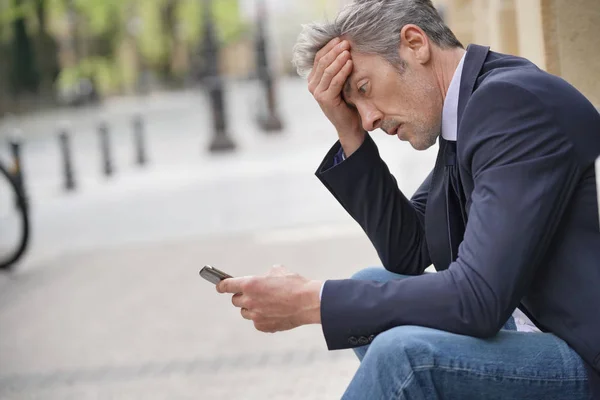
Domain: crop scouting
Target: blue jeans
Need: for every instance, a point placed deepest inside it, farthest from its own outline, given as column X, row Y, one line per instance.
column 413, row 362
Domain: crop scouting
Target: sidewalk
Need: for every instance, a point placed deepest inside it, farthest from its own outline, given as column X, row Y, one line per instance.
column 268, row 182
column 138, row 323
column 108, row 303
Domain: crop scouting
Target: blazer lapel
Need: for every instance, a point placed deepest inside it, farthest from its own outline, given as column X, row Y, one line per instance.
column 442, row 236
column 474, row 60
column 436, row 216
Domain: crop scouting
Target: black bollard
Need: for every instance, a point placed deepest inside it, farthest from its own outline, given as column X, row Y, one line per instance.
column 221, row 141
column 103, row 134
column 268, row 117
column 138, row 141
column 65, row 149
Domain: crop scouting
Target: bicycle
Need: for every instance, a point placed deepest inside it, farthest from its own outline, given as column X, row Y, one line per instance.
column 14, row 218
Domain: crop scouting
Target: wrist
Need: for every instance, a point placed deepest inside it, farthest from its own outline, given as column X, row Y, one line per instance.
column 311, row 300
column 351, row 142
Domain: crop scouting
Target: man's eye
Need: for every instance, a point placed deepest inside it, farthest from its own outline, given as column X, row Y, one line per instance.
column 363, row 89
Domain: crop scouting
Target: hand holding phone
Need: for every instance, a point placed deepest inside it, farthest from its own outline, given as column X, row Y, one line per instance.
column 213, row 275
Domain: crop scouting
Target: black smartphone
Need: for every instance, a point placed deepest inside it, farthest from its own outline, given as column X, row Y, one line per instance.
column 213, row 275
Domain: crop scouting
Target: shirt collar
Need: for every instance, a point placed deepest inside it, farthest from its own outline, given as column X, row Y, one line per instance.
column 450, row 109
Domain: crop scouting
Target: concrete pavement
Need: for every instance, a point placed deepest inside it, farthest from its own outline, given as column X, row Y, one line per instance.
column 185, row 191
column 138, row 322
column 108, row 302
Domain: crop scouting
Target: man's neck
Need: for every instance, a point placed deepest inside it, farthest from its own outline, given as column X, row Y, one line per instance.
column 446, row 62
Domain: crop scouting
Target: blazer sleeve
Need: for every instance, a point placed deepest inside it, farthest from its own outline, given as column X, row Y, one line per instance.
column 524, row 173
column 364, row 186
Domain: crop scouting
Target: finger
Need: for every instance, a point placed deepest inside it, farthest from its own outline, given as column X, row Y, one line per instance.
column 325, row 62
column 247, row 314
column 330, row 46
column 231, row 285
column 337, row 83
column 238, row 300
column 331, row 72
column 324, row 50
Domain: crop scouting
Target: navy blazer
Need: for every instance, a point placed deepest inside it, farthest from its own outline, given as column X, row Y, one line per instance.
column 520, row 229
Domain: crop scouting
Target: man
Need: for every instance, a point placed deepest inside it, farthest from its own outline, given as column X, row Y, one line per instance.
column 508, row 216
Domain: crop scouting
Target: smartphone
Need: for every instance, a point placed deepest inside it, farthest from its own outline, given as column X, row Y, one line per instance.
column 213, row 275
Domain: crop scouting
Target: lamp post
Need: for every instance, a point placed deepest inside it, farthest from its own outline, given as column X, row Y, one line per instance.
column 268, row 118
column 221, row 141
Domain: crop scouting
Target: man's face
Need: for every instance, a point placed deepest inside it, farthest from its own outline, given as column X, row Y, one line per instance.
column 407, row 104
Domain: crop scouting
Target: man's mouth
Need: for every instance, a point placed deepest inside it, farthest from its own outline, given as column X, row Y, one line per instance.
column 391, row 131
column 400, row 134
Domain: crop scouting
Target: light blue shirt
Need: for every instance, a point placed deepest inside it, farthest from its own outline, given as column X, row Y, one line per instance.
column 450, row 110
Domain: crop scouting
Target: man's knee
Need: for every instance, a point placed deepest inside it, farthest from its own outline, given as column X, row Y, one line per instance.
column 379, row 274
column 368, row 274
column 410, row 345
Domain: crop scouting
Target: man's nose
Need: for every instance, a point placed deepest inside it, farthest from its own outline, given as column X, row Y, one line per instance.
column 371, row 118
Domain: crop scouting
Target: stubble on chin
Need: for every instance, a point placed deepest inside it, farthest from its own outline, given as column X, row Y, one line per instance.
column 425, row 139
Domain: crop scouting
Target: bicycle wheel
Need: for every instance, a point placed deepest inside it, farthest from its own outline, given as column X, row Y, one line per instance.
column 14, row 220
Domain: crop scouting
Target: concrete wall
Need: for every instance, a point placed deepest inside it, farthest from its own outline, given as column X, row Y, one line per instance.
column 560, row 36
column 502, row 25
column 572, row 43
column 530, row 31
column 460, row 17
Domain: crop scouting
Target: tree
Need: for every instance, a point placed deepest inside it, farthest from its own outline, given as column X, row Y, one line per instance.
column 46, row 48
column 24, row 75
column 94, row 39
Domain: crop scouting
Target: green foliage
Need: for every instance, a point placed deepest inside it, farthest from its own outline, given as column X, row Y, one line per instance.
column 229, row 23
column 110, row 22
column 226, row 13
column 10, row 12
column 152, row 41
column 99, row 13
column 102, row 70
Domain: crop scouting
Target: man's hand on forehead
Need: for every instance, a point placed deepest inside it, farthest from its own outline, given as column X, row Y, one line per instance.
column 345, row 93
column 331, row 70
column 324, row 50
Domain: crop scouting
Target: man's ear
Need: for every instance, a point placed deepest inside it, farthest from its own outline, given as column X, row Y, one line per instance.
column 415, row 44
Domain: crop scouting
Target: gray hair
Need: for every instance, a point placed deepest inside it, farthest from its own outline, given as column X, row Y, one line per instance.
column 373, row 27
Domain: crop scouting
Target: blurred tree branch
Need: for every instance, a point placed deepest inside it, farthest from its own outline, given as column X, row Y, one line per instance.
column 52, row 44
